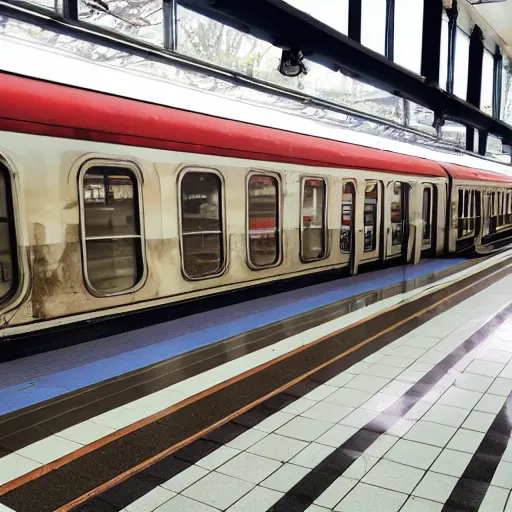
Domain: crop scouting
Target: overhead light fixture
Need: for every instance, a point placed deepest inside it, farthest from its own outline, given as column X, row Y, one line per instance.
column 476, row 2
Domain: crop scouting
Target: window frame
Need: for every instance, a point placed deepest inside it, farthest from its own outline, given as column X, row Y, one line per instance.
column 225, row 252
column 426, row 243
column 278, row 230
column 468, row 230
column 133, row 168
column 303, row 180
column 352, row 182
column 379, row 216
column 13, row 229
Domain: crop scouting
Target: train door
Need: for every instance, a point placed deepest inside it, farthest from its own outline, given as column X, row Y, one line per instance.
column 427, row 218
column 398, row 215
column 372, row 220
column 347, row 230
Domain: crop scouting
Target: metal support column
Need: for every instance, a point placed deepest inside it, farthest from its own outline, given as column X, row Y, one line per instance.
column 170, row 24
column 354, row 20
column 476, row 54
column 431, row 44
column 452, row 13
column 498, row 83
column 70, row 10
column 390, row 29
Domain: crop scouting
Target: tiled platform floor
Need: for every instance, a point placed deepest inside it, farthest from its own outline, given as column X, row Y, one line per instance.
column 415, row 466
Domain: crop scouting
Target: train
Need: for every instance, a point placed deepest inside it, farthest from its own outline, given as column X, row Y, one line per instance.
column 112, row 205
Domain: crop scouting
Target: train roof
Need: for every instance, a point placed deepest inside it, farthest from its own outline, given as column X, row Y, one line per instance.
column 44, row 108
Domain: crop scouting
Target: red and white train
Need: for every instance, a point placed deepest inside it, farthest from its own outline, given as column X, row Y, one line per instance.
column 111, row 205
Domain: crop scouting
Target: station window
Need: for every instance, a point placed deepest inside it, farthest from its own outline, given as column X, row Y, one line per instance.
column 397, row 235
column 8, row 267
column 263, row 220
column 313, row 243
column 112, row 231
column 347, row 217
column 203, row 253
column 370, row 216
column 426, row 215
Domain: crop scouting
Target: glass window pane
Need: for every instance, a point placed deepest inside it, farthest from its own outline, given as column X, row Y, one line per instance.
column 333, row 13
column 263, row 220
column 313, row 223
column 347, row 218
column 460, row 80
column 109, row 203
column 396, row 215
column 487, row 82
column 443, row 62
column 113, row 265
column 6, row 242
column 140, row 19
column 370, row 217
column 373, row 25
column 408, row 34
column 426, row 210
column 201, row 218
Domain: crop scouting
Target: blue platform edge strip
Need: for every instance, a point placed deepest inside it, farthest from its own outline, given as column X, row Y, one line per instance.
column 46, row 385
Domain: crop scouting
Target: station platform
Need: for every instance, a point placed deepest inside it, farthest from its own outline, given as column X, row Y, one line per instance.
column 388, row 392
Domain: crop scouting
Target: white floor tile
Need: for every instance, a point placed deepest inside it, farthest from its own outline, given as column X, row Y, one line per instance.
column 418, row 410
column 495, row 500
column 381, row 445
column 259, row 499
column 414, row 504
column 379, row 402
column 49, row 449
column 349, row 397
column 185, row 479
column 498, row 356
column 446, row 415
column 299, row 406
column 435, row 487
column 217, row 458
column 368, row 498
column 451, row 462
column 340, row 380
column 423, row 342
column 218, row 490
column 369, row 383
column 411, row 376
column 4, row 508
column 358, row 368
column 461, row 398
column 401, row 427
column 479, row 421
column 394, row 476
column 430, row 433
column 396, row 388
column 305, row 429
column 374, row 358
column 466, row 440
column 501, row 387
column 399, row 362
column 503, row 475
column 118, row 418
column 86, row 432
column 274, row 421
column 277, row 447
column 335, row 492
column 181, row 504
column 316, row 508
column 250, row 467
column 506, row 373
column 14, row 465
column 414, row 454
column 432, row 356
column 409, row 352
column 381, row 370
column 312, row 455
column 361, row 466
column 490, row 403
column 487, row 368
column 285, row 477
column 321, row 392
column 326, row 411
column 150, row 501
column 247, row 439
column 359, row 418
column 474, row 382
column 507, row 455
column 337, row 435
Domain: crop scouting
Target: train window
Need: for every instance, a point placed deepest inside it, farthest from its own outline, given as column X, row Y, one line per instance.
column 397, row 214
column 467, row 213
column 263, row 220
column 492, row 213
column 347, row 217
column 8, row 267
column 370, row 216
column 427, row 215
column 313, row 243
column 111, row 229
column 203, row 252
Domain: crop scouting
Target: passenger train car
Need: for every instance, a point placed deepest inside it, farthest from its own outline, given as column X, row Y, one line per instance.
column 110, row 205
